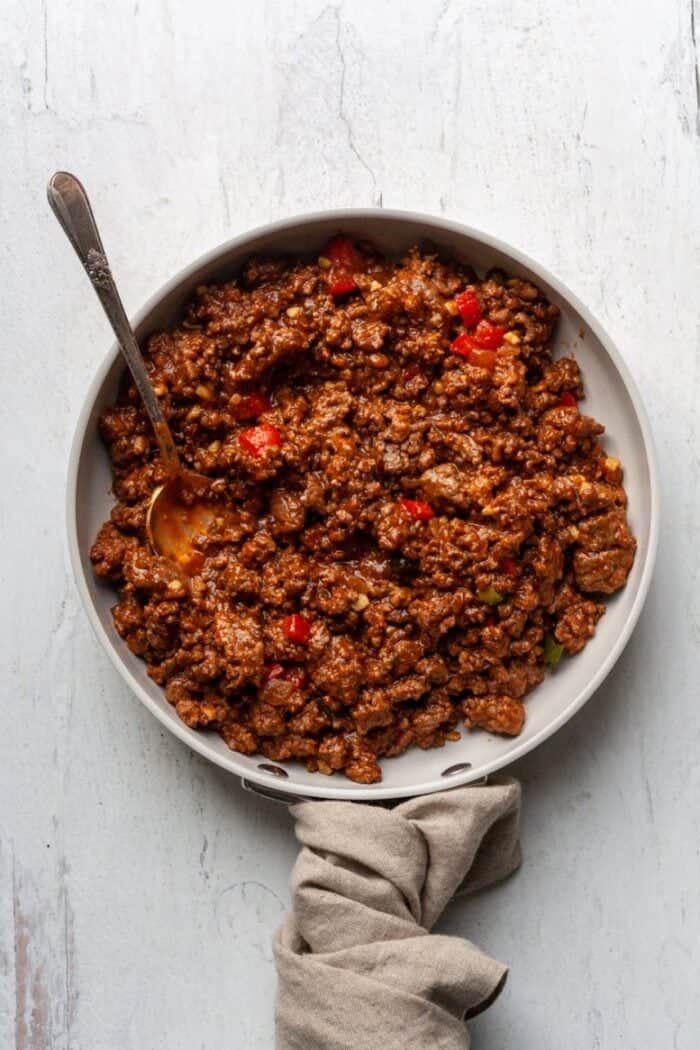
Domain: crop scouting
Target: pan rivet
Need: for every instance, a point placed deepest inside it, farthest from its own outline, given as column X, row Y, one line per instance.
column 277, row 771
column 459, row 768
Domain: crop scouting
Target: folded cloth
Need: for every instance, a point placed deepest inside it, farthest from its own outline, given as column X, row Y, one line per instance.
column 357, row 966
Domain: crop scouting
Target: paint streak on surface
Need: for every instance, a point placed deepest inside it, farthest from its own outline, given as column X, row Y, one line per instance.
column 45, row 987
column 32, row 1003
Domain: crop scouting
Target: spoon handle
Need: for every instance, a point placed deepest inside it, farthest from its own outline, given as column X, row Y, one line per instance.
column 71, row 206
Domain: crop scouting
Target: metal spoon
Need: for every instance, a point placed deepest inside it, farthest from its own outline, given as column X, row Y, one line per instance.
column 177, row 512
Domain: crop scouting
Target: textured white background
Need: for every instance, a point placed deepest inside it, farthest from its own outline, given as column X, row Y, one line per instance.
column 139, row 887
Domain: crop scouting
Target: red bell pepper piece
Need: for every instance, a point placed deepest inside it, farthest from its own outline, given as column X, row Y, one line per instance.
column 297, row 628
column 483, row 358
column 345, row 261
column 342, row 253
column 567, row 400
column 489, row 336
column 509, row 566
column 258, row 440
column 294, row 675
column 469, row 307
column 463, row 345
column 251, row 406
column 417, row 509
column 342, row 284
column 274, row 671
column 467, row 347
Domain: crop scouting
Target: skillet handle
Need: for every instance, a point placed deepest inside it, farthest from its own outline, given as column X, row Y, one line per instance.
column 271, row 794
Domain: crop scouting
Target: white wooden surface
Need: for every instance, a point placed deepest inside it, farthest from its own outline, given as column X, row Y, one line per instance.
column 139, row 887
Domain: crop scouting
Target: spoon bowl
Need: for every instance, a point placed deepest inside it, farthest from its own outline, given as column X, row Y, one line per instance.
column 178, row 514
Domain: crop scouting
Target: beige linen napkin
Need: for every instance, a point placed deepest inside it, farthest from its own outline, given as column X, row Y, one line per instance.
column 357, row 966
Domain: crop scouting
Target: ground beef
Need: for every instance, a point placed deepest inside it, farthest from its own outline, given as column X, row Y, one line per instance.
column 414, row 510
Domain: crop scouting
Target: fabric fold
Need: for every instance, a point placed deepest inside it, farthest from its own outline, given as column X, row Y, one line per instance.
column 357, row 965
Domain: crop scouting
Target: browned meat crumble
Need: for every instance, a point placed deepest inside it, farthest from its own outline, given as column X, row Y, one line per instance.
column 411, row 527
